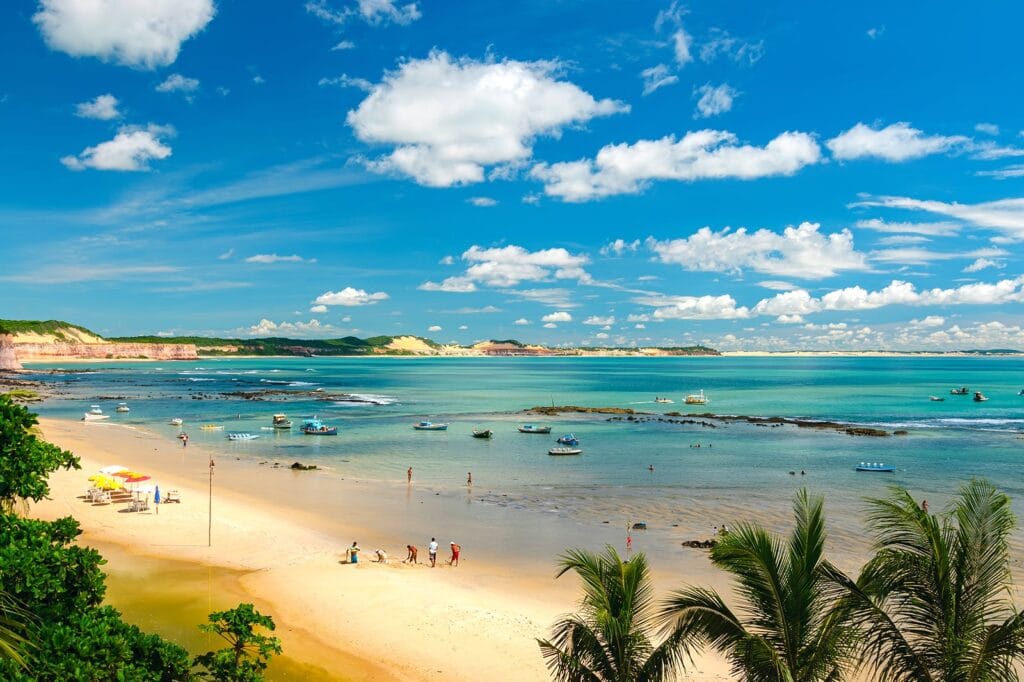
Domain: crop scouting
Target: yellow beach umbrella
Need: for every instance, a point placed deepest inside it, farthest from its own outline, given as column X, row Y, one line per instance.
column 106, row 482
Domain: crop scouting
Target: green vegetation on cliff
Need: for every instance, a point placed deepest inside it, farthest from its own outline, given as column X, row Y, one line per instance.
column 55, row 327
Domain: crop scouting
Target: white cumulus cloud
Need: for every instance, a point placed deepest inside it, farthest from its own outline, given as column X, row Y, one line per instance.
column 698, row 155
column 895, row 143
column 714, row 100
column 103, row 108
column 434, row 328
column 129, row 32
column 178, row 83
column 983, row 263
column 800, row 251
column 350, row 297
column 560, row 316
column 522, row 322
column 131, row 150
column 599, row 321
column 318, row 309
column 509, row 265
column 448, row 119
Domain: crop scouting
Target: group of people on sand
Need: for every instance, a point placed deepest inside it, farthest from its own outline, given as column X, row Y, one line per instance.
column 412, row 556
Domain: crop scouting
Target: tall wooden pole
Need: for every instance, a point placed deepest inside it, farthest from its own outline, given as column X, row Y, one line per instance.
column 209, row 512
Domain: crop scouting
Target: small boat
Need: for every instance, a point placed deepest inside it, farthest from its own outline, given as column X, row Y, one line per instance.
column 430, row 426
column 281, row 422
column 876, row 466
column 960, row 391
column 936, row 399
column 212, row 427
column 95, row 409
column 1020, row 392
column 664, row 400
column 177, row 421
column 979, row 397
column 123, row 407
column 315, row 427
column 558, row 452
column 530, row 428
column 237, row 435
column 486, row 433
column 569, row 439
column 697, row 398
column 93, row 417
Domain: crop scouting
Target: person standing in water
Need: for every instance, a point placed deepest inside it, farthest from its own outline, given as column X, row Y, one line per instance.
column 408, row 475
column 432, row 552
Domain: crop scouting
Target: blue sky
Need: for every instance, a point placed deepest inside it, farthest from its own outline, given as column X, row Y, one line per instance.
column 750, row 176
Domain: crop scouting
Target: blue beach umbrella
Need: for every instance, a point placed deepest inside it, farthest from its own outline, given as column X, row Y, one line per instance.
column 156, row 496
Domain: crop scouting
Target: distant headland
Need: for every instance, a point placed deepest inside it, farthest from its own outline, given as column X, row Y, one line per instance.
column 55, row 340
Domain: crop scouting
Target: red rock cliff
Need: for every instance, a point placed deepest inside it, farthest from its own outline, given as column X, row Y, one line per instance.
column 52, row 352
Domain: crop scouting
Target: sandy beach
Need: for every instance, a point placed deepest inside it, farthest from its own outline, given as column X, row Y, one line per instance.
column 285, row 533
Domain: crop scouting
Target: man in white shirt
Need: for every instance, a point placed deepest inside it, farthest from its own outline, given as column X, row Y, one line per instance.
column 432, row 551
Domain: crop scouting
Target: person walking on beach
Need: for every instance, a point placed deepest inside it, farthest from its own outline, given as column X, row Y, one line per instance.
column 411, row 558
column 469, row 478
column 456, row 551
column 353, row 553
column 432, row 552
column 408, row 475
column 924, row 506
column 184, row 440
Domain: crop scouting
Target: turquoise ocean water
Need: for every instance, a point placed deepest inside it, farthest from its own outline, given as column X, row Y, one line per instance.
column 739, row 467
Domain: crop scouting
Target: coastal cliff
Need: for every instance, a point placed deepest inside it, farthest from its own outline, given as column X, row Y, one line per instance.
column 46, row 352
column 8, row 358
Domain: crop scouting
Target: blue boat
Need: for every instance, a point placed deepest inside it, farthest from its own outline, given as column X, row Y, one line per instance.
column 531, row 428
column 315, row 427
column 876, row 466
column 569, row 439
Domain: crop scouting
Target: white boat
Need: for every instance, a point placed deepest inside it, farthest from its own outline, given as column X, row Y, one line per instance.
column 979, row 397
column 177, row 421
column 123, row 407
column 664, row 400
column 280, row 421
column 242, row 436
column 430, row 426
column 697, row 398
column 95, row 409
column 93, row 417
column 564, row 451
column 936, row 399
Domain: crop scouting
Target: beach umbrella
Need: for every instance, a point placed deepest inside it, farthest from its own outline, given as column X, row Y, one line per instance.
column 105, row 482
column 156, row 496
column 136, row 478
column 112, row 469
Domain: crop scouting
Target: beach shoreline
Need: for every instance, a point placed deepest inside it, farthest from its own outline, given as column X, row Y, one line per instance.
column 288, row 540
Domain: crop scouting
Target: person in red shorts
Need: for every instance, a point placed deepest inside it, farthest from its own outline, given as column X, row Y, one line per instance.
column 456, row 550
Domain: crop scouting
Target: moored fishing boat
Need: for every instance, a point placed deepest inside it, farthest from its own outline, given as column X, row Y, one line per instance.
column 697, row 398
column 281, row 422
column 486, row 433
column 936, row 399
column 878, row 467
column 93, row 417
column 532, row 428
column 559, row 452
column 241, row 435
column 979, row 397
column 177, row 421
column 122, row 407
column 960, row 391
column 430, row 426
column 569, row 439
column 315, row 427
column 664, row 400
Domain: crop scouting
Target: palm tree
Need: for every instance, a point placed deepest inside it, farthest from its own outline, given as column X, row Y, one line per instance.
column 934, row 602
column 13, row 624
column 609, row 640
column 788, row 628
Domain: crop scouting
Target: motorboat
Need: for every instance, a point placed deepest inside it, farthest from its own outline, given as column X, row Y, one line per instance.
column 979, row 397
column 177, row 421
column 664, row 400
column 960, row 391
column 315, row 427
column 697, row 398
column 935, row 399
column 877, row 467
column 1020, row 392
column 559, row 452
column 122, row 407
column 93, row 417
column 486, row 433
column 212, row 427
column 240, row 435
column 531, row 428
column 95, row 409
column 569, row 439
column 430, row 426
column 281, row 422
